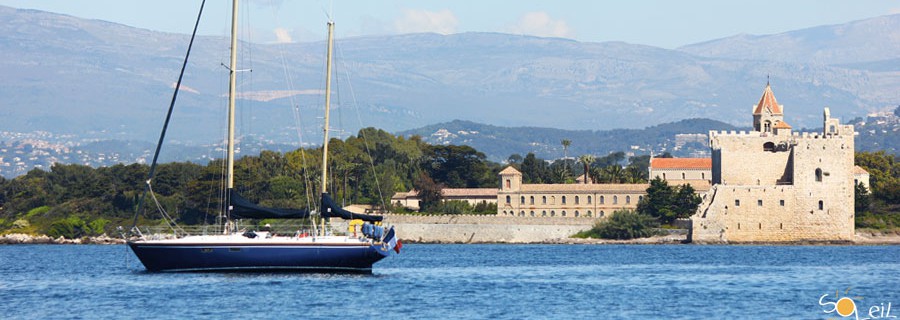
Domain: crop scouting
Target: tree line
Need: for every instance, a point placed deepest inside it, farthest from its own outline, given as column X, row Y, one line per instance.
column 368, row 168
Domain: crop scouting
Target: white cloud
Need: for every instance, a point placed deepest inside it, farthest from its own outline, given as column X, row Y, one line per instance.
column 893, row 10
column 542, row 25
column 282, row 35
column 443, row 22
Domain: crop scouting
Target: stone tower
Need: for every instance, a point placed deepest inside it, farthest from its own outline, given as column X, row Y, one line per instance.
column 775, row 185
column 767, row 113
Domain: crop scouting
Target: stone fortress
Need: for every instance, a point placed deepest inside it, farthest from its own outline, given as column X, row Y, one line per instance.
column 767, row 185
column 775, row 185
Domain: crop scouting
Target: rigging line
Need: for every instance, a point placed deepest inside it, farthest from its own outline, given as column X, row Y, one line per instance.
column 298, row 120
column 170, row 222
column 362, row 132
column 162, row 135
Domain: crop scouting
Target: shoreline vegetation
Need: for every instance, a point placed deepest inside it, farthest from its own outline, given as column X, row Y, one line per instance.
column 863, row 237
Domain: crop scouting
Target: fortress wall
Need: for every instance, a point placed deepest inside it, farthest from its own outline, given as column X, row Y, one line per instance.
column 742, row 161
column 756, row 214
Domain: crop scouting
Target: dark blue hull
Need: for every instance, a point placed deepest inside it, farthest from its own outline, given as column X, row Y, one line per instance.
column 257, row 257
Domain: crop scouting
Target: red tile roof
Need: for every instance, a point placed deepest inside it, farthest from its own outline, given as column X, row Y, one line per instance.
column 782, row 125
column 681, row 163
column 768, row 102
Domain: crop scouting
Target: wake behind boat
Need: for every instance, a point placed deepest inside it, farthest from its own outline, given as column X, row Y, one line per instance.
column 313, row 248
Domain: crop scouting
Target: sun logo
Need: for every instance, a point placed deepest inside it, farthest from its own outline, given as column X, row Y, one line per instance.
column 844, row 306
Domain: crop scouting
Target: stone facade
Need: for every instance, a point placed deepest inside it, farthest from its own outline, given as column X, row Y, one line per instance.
column 515, row 199
column 473, row 196
column 773, row 185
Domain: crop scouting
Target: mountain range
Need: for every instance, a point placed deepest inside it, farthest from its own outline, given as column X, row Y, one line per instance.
column 111, row 81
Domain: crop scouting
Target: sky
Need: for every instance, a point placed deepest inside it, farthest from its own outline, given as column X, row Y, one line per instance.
column 661, row 23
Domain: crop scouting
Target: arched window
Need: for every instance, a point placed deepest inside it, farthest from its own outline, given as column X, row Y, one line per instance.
column 602, row 199
column 627, row 199
column 589, row 199
column 818, row 175
column 683, row 177
column 602, row 213
column 768, row 126
column 589, row 213
column 769, row 146
column 703, row 175
column 563, row 199
column 576, row 199
column 507, row 183
column 576, row 213
column 640, row 198
column 532, row 199
column 821, row 205
column 532, row 213
column 664, row 176
column 615, row 199
column 522, row 200
column 564, row 213
column 522, row 214
column 544, row 200
column 552, row 213
column 508, row 199
column 552, row 199
column 544, row 213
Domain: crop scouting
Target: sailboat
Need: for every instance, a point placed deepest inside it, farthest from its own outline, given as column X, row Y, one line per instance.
column 234, row 250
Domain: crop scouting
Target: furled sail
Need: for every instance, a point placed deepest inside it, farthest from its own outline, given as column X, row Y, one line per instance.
column 243, row 208
column 331, row 209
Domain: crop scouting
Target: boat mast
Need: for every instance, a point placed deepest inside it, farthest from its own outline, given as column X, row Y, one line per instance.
column 327, row 112
column 231, row 93
column 327, row 106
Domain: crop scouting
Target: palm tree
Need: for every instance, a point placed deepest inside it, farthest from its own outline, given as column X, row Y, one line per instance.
column 613, row 173
column 565, row 143
column 586, row 160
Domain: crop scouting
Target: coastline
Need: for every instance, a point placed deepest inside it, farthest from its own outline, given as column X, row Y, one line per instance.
column 862, row 238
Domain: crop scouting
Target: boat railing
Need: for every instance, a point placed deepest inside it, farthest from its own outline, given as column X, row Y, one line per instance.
column 281, row 229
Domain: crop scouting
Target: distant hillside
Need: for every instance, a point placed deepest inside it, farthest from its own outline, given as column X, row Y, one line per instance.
column 498, row 143
column 105, row 80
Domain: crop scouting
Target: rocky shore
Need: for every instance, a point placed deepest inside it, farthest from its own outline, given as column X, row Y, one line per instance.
column 21, row 238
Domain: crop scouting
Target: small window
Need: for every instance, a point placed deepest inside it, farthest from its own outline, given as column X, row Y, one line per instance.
column 576, row 199
column 508, row 199
column 627, row 199
column 769, row 146
column 532, row 213
column 576, row 213
column 821, row 205
column 507, row 183
column 781, row 202
column 818, row 175
column 522, row 213
column 552, row 213
column 703, row 175
column 553, row 200
column 522, row 200
column 589, row 213
column 683, row 176
column 544, row 200
column 759, row 203
column 739, row 226
column 737, row 203
column 589, row 199
column 544, row 213
column 532, row 200
column 563, row 199
column 563, row 213
column 664, row 176
column 615, row 199
column 602, row 213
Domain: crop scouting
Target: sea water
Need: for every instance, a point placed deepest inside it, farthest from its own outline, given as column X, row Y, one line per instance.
column 468, row 282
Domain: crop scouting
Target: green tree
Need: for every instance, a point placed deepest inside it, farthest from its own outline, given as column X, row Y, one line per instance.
column 658, row 201
column 861, row 199
column 623, row 225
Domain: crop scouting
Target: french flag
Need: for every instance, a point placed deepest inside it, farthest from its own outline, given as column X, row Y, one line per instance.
column 390, row 239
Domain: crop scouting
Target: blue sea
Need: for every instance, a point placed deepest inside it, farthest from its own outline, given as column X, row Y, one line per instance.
column 468, row 282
